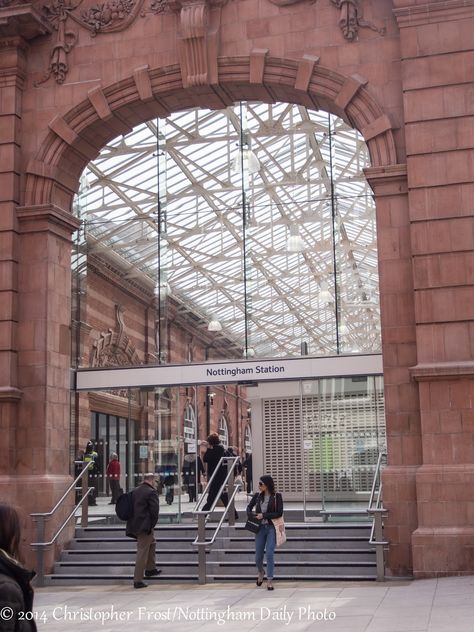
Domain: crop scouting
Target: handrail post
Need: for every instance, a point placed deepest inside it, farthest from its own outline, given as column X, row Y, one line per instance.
column 85, row 504
column 40, row 551
column 230, row 487
column 202, row 548
column 379, row 547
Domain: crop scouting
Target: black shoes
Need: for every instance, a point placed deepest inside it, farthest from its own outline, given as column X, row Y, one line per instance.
column 155, row 571
column 139, row 585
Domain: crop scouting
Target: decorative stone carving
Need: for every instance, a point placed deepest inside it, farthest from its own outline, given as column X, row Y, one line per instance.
column 350, row 20
column 199, row 23
column 159, row 6
column 110, row 16
column 114, row 348
column 114, row 15
column 287, row 3
column 57, row 13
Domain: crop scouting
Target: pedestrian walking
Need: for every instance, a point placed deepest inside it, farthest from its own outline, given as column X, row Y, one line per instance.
column 91, row 457
column 113, row 475
column 265, row 505
column 16, row 593
column 191, row 471
column 146, row 508
column 212, row 456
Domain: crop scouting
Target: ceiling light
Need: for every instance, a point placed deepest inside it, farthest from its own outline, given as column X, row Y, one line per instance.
column 324, row 294
column 295, row 243
column 250, row 162
column 214, row 324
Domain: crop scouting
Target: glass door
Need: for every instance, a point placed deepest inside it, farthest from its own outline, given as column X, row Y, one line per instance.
column 343, row 432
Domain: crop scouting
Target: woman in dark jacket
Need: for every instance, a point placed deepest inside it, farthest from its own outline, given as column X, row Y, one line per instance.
column 16, row 593
column 212, row 456
column 268, row 505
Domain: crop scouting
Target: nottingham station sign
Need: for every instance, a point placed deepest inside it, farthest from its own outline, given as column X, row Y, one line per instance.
column 243, row 371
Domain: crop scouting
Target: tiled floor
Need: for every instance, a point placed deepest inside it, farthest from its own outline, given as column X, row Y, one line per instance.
column 432, row 605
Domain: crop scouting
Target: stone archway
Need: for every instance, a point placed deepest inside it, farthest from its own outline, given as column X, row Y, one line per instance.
column 76, row 137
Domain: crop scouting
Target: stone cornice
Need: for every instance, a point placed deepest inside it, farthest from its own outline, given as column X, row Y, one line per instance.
column 432, row 12
column 47, row 217
column 391, row 180
column 23, row 20
column 436, row 371
column 10, row 394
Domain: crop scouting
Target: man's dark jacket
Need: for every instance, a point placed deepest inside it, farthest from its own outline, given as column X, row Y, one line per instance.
column 146, row 507
column 212, row 457
column 15, row 593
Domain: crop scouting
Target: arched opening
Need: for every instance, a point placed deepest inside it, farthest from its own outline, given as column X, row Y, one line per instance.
column 247, row 232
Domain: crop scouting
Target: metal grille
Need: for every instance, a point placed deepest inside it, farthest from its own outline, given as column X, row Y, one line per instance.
column 282, row 442
column 339, row 435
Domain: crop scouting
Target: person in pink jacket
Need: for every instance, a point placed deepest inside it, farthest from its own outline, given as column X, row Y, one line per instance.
column 113, row 475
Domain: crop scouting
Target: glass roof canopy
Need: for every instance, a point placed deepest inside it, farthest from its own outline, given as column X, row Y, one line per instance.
column 209, row 205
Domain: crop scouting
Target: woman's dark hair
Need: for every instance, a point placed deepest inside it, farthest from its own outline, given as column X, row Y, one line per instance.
column 10, row 530
column 269, row 482
column 213, row 439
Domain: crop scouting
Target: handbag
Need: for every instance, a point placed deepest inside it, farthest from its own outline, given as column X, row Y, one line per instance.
column 252, row 524
column 279, row 525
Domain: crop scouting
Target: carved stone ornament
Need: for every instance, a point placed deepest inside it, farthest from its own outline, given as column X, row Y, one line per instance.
column 199, row 23
column 350, row 20
column 114, row 348
column 107, row 17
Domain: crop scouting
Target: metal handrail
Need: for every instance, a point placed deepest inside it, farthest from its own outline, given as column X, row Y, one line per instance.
column 378, row 512
column 40, row 518
column 58, row 533
column 48, row 514
column 203, row 515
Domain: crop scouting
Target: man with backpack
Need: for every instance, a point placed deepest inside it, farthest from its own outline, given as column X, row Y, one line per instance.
column 140, row 526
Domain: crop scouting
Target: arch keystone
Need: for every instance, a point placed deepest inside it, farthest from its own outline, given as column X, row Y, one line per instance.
column 99, row 103
column 257, row 64
column 305, row 70
column 142, row 79
column 379, row 126
column 59, row 126
column 349, row 89
column 141, row 76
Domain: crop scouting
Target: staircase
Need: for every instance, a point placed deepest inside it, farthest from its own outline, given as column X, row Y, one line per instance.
column 103, row 554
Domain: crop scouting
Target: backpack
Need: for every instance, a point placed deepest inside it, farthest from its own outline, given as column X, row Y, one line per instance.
column 124, row 506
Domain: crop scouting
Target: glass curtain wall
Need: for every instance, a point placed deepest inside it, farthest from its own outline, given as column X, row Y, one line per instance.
column 255, row 221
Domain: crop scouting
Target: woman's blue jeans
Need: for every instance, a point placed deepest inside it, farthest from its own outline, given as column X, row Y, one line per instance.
column 266, row 537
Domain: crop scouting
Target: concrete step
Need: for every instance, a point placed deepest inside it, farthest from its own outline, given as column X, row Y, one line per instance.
column 188, row 531
column 215, row 568
column 117, row 556
column 97, row 579
column 103, row 553
column 337, row 543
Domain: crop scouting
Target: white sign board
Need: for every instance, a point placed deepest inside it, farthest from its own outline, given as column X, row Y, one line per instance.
column 241, row 371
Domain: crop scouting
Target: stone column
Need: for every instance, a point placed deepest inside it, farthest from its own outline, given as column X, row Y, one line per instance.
column 437, row 59
column 399, row 354
column 12, row 66
column 40, row 470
